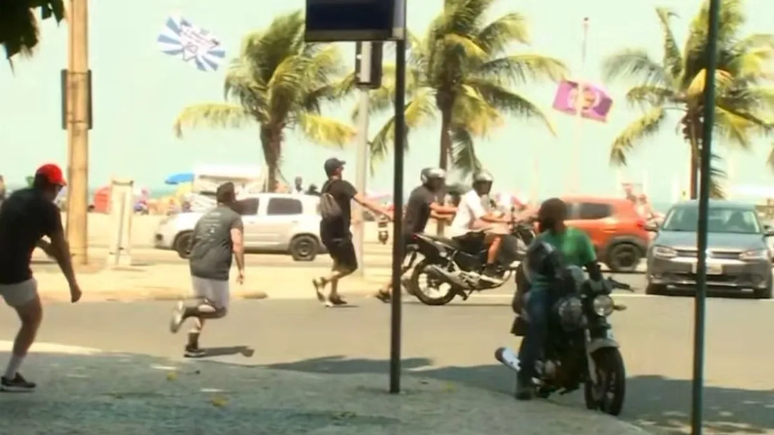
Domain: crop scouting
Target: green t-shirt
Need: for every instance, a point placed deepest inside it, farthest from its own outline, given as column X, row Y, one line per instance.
column 575, row 246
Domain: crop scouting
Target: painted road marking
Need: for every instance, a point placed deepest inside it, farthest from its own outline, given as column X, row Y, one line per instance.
column 7, row 346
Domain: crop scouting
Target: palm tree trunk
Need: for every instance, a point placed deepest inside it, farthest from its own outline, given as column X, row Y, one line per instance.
column 694, row 164
column 271, row 141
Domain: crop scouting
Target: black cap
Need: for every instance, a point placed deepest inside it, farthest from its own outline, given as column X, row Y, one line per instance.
column 225, row 193
column 332, row 164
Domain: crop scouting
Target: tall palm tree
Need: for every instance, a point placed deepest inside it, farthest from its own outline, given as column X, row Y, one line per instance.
column 744, row 97
column 278, row 82
column 19, row 27
column 463, row 70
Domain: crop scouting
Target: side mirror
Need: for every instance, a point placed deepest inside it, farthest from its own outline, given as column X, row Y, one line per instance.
column 768, row 231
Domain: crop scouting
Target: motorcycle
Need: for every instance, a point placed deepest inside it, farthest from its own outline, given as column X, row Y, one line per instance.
column 581, row 347
column 383, row 234
column 459, row 262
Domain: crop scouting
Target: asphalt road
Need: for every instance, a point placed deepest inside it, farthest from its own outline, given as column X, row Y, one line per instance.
column 457, row 342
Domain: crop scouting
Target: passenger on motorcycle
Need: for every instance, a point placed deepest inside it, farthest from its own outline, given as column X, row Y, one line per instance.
column 472, row 215
column 576, row 249
column 423, row 204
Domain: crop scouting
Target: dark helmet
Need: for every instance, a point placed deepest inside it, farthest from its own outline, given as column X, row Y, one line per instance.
column 429, row 174
column 482, row 176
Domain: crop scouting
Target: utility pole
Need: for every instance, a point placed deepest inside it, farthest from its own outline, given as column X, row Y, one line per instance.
column 78, row 122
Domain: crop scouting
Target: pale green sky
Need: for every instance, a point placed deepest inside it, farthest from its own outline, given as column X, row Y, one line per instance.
column 138, row 91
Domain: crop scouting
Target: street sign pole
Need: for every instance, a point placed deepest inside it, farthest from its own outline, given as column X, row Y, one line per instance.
column 704, row 188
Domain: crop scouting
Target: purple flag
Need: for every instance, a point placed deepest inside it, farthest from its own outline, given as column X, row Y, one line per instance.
column 596, row 102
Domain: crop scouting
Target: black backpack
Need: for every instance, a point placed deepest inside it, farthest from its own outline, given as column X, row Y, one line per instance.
column 329, row 208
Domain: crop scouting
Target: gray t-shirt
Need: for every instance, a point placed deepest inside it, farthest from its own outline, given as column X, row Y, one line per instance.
column 211, row 246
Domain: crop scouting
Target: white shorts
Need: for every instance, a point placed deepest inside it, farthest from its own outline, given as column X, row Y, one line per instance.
column 17, row 295
column 215, row 291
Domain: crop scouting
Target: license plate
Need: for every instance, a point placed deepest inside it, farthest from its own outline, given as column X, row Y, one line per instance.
column 712, row 268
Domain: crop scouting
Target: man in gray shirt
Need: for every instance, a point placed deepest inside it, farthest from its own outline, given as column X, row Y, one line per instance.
column 217, row 235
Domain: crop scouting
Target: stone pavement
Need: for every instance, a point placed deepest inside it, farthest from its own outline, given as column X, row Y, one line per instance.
column 84, row 391
column 170, row 281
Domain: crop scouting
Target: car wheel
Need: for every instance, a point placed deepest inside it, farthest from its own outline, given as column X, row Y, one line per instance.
column 655, row 289
column 765, row 293
column 624, row 257
column 304, row 248
column 181, row 244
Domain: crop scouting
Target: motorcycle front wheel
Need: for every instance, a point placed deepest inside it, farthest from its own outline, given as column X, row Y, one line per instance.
column 431, row 293
column 607, row 394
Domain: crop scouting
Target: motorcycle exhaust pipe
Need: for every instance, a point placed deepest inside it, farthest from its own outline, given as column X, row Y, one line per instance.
column 438, row 272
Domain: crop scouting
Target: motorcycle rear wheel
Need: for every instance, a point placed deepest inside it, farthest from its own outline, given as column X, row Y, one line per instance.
column 607, row 395
column 442, row 298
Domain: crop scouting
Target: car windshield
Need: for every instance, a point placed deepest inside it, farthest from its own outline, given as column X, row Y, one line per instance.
column 720, row 220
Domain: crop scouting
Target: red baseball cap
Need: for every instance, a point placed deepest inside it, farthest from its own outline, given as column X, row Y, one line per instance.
column 52, row 174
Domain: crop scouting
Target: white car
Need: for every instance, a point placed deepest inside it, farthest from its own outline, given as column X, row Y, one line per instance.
column 274, row 223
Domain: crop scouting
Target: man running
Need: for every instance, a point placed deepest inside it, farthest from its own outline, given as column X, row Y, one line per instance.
column 335, row 207
column 25, row 217
column 216, row 236
column 422, row 205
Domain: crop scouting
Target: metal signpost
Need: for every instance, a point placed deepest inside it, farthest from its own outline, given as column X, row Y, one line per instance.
column 375, row 20
column 704, row 187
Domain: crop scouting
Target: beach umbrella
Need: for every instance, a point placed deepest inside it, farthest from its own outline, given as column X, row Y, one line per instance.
column 180, row 178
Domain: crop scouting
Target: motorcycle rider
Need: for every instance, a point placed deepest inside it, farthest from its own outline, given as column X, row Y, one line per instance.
column 473, row 214
column 576, row 249
column 423, row 203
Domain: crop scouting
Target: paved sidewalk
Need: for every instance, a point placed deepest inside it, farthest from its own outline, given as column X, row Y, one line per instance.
column 170, row 281
column 86, row 392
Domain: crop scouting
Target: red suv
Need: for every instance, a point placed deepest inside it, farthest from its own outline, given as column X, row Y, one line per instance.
column 614, row 226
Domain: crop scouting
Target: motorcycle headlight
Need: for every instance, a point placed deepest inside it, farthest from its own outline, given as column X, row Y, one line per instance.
column 603, row 305
column 664, row 252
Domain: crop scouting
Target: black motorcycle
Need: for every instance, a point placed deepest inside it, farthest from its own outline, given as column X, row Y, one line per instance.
column 458, row 263
column 581, row 348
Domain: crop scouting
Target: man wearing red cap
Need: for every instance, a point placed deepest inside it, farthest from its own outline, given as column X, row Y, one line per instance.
column 25, row 218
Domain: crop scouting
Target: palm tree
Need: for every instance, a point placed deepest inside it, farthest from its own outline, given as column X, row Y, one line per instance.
column 278, row 82
column 19, row 27
column 744, row 99
column 462, row 70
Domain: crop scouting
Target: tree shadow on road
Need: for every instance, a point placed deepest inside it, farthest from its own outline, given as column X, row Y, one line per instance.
column 651, row 401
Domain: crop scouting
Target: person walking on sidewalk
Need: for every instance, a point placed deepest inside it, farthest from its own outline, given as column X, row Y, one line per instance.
column 423, row 203
column 25, row 217
column 216, row 237
column 335, row 207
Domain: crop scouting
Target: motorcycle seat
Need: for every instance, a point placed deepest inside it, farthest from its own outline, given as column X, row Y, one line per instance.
column 448, row 241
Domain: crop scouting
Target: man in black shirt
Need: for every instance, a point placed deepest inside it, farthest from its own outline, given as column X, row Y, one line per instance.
column 25, row 217
column 216, row 237
column 335, row 229
column 422, row 205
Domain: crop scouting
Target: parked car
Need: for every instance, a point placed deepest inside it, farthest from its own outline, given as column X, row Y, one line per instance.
column 615, row 228
column 273, row 222
column 738, row 254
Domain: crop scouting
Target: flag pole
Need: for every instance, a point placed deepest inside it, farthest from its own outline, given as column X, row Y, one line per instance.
column 575, row 182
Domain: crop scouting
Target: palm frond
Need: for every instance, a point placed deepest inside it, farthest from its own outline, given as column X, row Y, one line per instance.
column 501, row 33
column 509, row 102
column 673, row 58
column 325, row 131
column 464, row 152
column 523, row 68
column 421, row 109
column 214, row 115
column 635, row 65
column 717, row 178
column 648, row 96
column 19, row 26
column 644, row 127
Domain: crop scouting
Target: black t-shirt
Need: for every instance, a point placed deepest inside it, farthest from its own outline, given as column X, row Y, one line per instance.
column 418, row 210
column 211, row 245
column 342, row 191
column 25, row 217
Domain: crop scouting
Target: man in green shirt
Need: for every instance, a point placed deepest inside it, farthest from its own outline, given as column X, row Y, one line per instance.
column 576, row 249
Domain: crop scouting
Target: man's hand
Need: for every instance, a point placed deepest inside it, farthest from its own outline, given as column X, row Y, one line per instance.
column 241, row 277
column 75, row 293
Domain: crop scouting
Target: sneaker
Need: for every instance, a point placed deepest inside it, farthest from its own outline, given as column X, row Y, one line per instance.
column 334, row 301
column 17, row 384
column 319, row 287
column 490, row 274
column 194, row 352
column 383, row 296
column 177, row 317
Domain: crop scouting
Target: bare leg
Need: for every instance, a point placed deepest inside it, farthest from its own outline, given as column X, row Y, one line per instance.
column 30, row 315
column 334, row 280
column 494, row 247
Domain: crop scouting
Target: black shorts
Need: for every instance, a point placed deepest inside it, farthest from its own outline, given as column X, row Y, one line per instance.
column 342, row 251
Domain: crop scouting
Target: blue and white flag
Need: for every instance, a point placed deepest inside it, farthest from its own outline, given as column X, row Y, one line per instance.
column 193, row 44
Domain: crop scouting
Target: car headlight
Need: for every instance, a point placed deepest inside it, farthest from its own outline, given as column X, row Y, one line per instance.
column 664, row 252
column 755, row 254
column 603, row 305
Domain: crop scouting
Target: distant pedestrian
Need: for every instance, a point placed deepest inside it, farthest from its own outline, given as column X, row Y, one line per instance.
column 298, row 186
column 25, row 217
column 335, row 207
column 216, row 237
